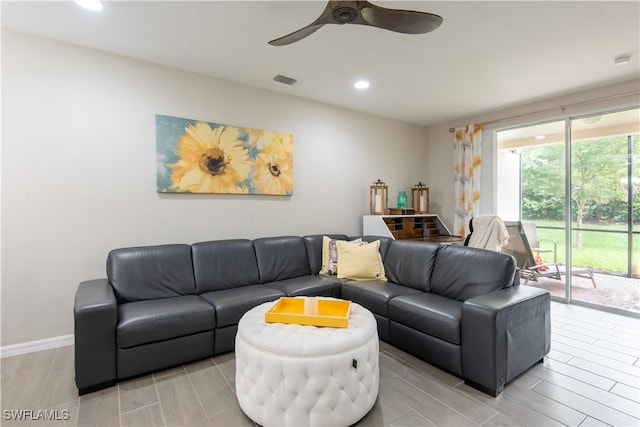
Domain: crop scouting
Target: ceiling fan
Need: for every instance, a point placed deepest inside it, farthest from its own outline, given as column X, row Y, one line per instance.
column 365, row 13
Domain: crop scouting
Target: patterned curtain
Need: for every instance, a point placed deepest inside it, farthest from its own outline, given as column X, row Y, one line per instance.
column 467, row 162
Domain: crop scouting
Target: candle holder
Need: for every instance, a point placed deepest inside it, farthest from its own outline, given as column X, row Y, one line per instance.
column 378, row 197
column 420, row 197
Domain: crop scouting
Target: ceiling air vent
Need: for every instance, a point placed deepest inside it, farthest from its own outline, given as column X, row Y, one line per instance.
column 284, row 79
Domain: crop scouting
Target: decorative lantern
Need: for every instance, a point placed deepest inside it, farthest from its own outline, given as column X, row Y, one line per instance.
column 420, row 196
column 379, row 197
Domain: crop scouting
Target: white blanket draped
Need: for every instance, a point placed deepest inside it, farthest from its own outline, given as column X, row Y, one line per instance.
column 489, row 233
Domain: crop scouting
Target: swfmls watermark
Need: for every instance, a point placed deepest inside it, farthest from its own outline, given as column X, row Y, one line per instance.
column 36, row 414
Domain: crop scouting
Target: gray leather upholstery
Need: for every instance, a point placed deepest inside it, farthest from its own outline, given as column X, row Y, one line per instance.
column 314, row 285
column 143, row 322
column 437, row 352
column 462, row 272
column 95, row 316
column 151, row 272
column 224, row 264
column 151, row 357
column 231, row 304
column 411, row 263
column 429, row 313
column 281, row 258
column 503, row 334
column 374, row 295
column 455, row 307
column 225, row 339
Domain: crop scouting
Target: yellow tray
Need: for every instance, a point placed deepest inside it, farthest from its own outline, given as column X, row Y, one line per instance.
column 334, row 313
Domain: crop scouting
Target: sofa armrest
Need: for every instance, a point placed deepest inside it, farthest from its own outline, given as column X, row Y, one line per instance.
column 516, row 277
column 503, row 334
column 95, row 316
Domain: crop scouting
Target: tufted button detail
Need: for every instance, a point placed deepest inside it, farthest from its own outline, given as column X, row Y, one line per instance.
column 303, row 375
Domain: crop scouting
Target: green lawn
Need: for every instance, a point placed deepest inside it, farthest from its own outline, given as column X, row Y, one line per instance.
column 601, row 251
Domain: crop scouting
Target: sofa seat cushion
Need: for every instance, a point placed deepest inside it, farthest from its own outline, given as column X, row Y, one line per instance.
column 232, row 304
column 314, row 285
column 374, row 294
column 429, row 313
column 144, row 322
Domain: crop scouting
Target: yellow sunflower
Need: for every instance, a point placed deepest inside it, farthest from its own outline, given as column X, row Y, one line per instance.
column 273, row 167
column 279, row 143
column 273, row 173
column 211, row 160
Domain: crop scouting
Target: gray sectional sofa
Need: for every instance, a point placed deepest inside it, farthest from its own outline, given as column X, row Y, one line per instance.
column 459, row 308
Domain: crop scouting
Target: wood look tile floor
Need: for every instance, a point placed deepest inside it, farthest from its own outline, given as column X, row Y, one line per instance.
column 590, row 378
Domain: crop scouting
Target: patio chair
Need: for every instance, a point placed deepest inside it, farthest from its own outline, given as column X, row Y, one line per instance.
column 531, row 231
column 518, row 246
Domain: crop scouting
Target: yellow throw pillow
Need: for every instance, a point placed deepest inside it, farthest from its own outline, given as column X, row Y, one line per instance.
column 330, row 255
column 360, row 262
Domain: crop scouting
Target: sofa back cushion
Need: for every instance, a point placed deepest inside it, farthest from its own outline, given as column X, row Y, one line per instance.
column 410, row 263
column 281, row 258
column 313, row 243
column 461, row 272
column 384, row 242
column 224, row 264
column 151, row 272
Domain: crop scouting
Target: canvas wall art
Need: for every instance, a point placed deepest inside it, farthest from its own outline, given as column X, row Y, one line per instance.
column 202, row 157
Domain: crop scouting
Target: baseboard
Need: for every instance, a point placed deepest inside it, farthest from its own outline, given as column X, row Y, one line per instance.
column 31, row 346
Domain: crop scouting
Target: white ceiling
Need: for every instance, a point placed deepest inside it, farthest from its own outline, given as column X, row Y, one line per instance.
column 485, row 56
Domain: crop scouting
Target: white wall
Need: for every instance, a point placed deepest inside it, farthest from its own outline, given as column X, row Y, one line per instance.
column 79, row 170
column 440, row 152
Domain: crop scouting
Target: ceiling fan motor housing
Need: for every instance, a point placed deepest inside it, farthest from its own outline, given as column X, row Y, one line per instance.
column 344, row 15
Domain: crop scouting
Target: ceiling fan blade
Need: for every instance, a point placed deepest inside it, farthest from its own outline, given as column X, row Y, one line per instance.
column 324, row 18
column 400, row 21
column 296, row 35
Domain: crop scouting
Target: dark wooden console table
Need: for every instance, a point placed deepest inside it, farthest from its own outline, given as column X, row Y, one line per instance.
column 427, row 227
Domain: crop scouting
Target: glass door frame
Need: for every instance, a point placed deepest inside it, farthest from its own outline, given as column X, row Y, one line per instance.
column 568, row 211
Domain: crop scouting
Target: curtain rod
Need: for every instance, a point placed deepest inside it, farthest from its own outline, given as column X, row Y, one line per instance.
column 560, row 107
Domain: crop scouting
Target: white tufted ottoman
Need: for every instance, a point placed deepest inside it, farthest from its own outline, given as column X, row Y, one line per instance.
column 298, row 375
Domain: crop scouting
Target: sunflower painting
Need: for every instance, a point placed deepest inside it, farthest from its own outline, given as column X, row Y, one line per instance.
column 202, row 157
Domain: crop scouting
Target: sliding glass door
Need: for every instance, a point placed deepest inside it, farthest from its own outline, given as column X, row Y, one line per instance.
column 604, row 197
column 532, row 159
column 578, row 199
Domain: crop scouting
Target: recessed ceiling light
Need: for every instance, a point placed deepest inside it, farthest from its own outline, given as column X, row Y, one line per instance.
column 540, row 137
column 361, row 84
column 622, row 59
column 95, row 5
